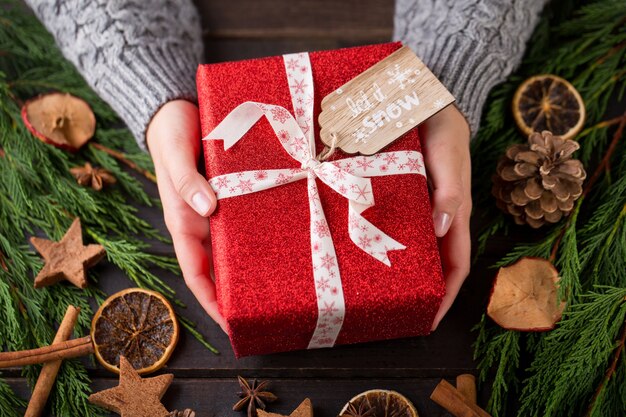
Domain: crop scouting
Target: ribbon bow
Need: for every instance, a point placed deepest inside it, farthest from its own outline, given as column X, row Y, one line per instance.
column 347, row 177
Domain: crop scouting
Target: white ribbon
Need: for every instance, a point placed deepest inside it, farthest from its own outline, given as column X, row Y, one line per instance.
column 348, row 177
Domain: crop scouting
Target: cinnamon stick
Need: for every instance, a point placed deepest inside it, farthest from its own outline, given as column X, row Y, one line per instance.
column 452, row 400
column 466, row 385
column 65, row 350
column 50, row 370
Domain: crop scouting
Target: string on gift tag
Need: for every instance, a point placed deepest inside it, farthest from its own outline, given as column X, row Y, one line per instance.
column 328, row 152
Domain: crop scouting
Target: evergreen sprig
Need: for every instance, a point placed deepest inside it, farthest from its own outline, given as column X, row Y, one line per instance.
column 571, row 370
column 580, row 350
column 38, row 195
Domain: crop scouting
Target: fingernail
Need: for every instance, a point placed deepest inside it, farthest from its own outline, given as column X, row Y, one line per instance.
column 200, row 203
column 442, row 224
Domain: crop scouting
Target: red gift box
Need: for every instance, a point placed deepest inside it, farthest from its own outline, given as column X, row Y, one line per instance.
column 261, row 242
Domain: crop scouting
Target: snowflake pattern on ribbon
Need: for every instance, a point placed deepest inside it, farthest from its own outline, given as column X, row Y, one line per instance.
column 348, row 177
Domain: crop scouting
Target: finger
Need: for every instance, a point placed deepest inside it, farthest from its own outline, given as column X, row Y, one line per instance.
column 455, row 246
column 189, row 232
column 446, row 154
column 194, row 263
column 445, row 165
column 178, row 154
column 456, row 257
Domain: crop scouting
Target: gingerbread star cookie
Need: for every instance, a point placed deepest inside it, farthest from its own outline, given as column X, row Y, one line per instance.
column 305, row 409
column 66, row 259
column 134, row 396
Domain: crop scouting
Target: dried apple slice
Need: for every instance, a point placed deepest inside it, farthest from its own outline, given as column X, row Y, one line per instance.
column 525, row 296
column 60, row 119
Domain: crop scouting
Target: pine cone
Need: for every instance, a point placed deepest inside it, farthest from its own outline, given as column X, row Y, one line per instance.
column 539, row 182
column 188, row 412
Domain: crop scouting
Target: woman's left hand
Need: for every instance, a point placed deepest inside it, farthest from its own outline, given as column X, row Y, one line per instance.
column 447, row 158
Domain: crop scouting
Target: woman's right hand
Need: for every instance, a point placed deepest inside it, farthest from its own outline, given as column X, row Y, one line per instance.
column 173, row 137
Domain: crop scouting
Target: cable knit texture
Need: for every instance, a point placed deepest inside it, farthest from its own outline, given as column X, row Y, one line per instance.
column 140, row 54
column 137, row 55
column 471, row 45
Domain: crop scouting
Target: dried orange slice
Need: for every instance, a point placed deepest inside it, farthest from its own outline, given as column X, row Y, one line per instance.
column 548, row 102
column 379, row 403
column 138, row 324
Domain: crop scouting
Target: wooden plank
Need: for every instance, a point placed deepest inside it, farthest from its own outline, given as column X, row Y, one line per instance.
column 445, row 353
column 215, row 397
column 296, row 18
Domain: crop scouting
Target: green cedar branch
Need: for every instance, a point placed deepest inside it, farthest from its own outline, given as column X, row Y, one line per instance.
column 602, row 167
column 609, row 372
column 38, row 195
column 583, row 42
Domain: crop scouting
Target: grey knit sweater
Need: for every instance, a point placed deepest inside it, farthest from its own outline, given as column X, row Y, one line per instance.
column 138, row 55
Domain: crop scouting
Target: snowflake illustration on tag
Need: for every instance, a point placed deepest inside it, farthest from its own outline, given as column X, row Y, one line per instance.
column 360, row 136
column 438, row 104
column 401, row 77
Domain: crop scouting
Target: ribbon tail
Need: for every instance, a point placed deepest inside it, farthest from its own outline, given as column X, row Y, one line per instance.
column 330, row 301
column 236, row 124
column 369, row 237
column 359, row 192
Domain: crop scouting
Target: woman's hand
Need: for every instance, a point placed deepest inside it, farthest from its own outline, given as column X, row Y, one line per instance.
column 173, row 138
column 447, row 158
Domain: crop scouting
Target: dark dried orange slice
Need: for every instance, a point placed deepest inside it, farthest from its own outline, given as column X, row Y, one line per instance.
column 138, row 324
column 379, row 403
column 548, row 102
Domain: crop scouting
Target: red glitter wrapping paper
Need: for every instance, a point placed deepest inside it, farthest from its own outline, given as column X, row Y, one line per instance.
column 261, row 241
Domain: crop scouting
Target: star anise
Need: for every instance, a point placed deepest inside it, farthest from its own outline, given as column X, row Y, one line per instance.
column 253, row 395
column 364, row 410
column 96, row 178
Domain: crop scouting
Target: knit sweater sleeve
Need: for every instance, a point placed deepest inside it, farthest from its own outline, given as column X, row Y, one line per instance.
column 137, row 55
column 471, row 45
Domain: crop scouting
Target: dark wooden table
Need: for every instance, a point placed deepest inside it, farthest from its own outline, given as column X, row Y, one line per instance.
column 239, row 29
column 330, row 377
